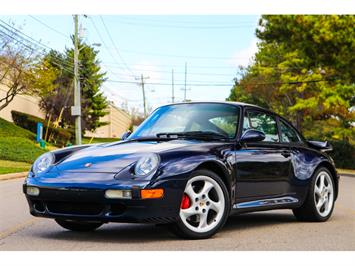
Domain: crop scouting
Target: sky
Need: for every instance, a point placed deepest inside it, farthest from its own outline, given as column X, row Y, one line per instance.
column 212, row 47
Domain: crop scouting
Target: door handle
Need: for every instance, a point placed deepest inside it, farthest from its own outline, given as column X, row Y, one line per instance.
column 286, row 154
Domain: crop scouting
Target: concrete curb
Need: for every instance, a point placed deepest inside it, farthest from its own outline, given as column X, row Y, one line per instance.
column 347, row 175
column 13, row 176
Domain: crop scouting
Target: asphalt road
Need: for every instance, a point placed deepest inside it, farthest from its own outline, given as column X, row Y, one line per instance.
column 275, row 230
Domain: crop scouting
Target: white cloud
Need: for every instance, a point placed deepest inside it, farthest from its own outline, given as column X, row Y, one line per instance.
column 245, row 56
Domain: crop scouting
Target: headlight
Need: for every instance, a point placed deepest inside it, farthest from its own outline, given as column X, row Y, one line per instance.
column 146, row 165
column 43, row 163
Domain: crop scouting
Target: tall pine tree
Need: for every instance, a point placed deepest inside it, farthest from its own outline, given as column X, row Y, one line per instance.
column 93, row 102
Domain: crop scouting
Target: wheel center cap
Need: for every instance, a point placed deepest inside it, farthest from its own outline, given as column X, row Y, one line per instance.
column 202, row 203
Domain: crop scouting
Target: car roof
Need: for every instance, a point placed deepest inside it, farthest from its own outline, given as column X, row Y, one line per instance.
column 226, row 102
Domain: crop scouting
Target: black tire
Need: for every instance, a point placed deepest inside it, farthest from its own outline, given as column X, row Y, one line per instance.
column 308, row 211
column 78, row 226
column 182, row 231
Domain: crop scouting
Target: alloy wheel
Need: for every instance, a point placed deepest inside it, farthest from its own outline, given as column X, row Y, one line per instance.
column 203, row 204
column 323, row 194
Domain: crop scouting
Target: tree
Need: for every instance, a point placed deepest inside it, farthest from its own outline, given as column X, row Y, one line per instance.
column 304, row 70
column 21, row 71
column 93, row 102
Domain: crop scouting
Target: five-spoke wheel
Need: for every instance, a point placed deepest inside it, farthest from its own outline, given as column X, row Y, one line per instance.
column 319, row 204
column 204, row 207
column 323, row 193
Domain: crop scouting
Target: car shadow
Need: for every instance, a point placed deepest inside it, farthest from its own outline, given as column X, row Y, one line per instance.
column 138, row 233
column 258, row 219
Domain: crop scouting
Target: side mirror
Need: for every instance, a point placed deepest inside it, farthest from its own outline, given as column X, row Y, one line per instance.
column 126, row 135
column 252, row 135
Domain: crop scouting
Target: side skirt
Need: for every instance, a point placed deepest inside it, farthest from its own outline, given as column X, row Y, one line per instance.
column 266, row 203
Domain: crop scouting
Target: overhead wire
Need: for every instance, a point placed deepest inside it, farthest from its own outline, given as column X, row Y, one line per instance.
column 115, row 46
column 49, row 27
column 31, row 42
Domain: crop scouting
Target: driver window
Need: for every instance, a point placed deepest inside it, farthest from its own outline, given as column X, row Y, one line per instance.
column 262, row 122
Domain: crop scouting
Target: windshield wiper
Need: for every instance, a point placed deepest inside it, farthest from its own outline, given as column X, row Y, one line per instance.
column 208, row 135
column 149, row 138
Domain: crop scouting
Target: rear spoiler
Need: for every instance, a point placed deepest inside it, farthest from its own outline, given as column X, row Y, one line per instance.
column 323, row 146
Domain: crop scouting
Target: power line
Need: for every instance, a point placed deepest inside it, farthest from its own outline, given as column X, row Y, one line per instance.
column 105, row 45
column 157, row 19
column 177, row 72
column 182, row 56
column 28, row 47
column 167, row 25
column 174, row 66
column 225, row 84
column 29, row 40
column 49, row 27
column 115, row 46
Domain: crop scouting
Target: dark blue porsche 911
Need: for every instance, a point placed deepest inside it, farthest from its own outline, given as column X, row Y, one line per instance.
column 190, row 166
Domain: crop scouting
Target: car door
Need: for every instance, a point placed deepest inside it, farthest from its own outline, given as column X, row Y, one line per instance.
column 263, row 167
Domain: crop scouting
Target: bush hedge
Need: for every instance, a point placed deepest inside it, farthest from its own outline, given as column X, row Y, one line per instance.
column 343, row 154
column 61, row 136
column 8, row 129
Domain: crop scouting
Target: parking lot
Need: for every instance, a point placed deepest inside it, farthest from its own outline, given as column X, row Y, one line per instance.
column 275, row 230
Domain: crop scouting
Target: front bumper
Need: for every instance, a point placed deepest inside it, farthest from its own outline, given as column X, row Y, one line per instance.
column 80, row 202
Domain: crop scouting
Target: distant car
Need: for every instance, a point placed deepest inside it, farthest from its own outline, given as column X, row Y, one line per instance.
column 190, row 166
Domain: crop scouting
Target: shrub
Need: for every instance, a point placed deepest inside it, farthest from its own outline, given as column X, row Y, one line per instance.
column 343, row 154
column 61, row 136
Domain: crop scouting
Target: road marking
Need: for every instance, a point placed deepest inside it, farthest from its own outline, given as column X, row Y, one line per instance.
column 16, row 228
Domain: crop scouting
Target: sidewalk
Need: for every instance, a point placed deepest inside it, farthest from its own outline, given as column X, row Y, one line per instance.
column 13, row 176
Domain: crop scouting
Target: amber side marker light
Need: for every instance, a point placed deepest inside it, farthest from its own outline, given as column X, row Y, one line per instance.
column 152, row 193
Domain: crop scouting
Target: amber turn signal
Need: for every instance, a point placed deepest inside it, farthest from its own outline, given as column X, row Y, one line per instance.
column 152, row 193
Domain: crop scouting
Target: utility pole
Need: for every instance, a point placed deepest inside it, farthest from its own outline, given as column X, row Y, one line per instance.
column 185, row 81
column 143, row 92
column 76, row 109
column 172, row 86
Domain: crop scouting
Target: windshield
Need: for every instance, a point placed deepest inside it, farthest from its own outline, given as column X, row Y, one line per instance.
column 218, row 118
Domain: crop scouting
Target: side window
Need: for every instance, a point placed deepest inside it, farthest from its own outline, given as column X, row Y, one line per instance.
column 228, row 124
column 288, row 134
column 263, row 122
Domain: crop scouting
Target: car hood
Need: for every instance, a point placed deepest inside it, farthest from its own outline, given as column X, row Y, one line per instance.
column 111, row 158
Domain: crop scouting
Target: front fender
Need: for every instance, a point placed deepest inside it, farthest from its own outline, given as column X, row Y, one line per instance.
column 183, row 166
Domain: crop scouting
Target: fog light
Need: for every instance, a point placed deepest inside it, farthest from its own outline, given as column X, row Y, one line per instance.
column 152, row 193
column 32, row 191
column 118, row 194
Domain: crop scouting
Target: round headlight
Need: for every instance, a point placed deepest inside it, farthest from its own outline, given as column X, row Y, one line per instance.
column 146, row 165
column 43, row 163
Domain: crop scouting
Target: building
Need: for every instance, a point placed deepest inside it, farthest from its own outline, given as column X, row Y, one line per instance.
column 119, row 121
column 22, row 103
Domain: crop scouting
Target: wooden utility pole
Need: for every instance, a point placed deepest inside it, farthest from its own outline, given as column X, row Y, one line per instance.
column 142, row 78
column 76, row 109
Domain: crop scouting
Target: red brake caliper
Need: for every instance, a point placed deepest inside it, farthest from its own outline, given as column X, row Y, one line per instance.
column 186, row 202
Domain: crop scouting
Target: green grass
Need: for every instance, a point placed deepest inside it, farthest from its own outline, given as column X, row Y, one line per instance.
column 8, row 129
column 86, row 140
column 19, row 150
column 17, row 144
column 7, row 167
